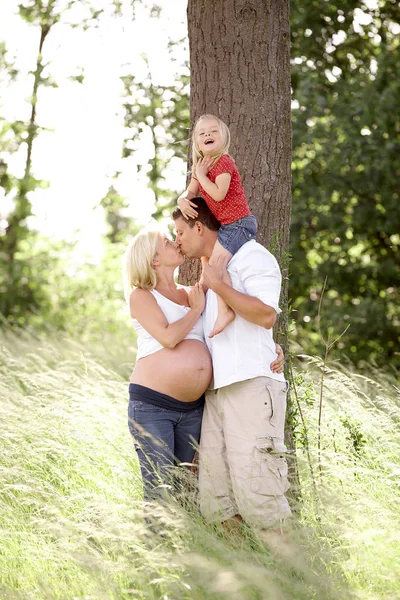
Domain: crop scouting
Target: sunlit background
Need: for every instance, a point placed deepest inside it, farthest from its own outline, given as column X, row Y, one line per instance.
column 80, row 149
column 109, row 153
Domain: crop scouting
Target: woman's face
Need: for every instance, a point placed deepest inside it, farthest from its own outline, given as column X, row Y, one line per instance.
column 208, row 137
column 168, row 252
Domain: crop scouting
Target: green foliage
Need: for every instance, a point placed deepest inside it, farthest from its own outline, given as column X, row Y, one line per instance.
column 23, row 293
column 162, row 111
column 303, row 389
column 33, row 288
column 24, row 287
column 119, row 223
column 346, row 163
column 10, row 133
column 59, row 289
column 87, row 295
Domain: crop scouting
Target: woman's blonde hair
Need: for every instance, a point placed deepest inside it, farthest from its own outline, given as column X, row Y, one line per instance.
column 138, row 261
column 226, row 140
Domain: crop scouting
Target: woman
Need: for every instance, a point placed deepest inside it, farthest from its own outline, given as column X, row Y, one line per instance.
column 173, row 367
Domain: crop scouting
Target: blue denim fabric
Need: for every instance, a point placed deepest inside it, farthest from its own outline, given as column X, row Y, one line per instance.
column 233, row 236
column 163, row 439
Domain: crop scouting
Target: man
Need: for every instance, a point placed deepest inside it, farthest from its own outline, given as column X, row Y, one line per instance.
column 243, row 471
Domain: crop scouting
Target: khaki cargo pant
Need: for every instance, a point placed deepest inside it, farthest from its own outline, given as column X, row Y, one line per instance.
column 242, row 467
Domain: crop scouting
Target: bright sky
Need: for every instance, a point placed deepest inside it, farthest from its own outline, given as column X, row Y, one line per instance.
column 83, row 147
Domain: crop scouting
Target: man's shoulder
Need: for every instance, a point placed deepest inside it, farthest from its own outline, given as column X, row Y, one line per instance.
column 253, row 251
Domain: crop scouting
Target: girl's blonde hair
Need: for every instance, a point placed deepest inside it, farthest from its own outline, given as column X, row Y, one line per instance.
column 226, row 140
column 138, row 261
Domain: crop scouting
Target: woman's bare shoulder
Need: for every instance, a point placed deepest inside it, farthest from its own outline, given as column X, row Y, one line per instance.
column 139, row 295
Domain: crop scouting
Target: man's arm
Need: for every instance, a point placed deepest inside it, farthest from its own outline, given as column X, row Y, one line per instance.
column 250, row 308
column 257, row 281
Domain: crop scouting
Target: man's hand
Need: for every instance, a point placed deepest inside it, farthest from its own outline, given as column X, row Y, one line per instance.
column 212, row 276
column 278, row 365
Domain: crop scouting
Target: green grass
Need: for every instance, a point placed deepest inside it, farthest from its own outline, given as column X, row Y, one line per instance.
column 71, row 515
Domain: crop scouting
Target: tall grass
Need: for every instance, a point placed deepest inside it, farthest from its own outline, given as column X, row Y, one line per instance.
column 71, row 514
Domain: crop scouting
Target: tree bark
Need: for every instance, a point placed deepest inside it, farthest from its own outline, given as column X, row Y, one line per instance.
column 240, row 71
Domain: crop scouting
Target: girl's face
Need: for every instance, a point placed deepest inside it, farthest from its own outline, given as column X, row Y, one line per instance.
column 208, row 137
column 168, row 252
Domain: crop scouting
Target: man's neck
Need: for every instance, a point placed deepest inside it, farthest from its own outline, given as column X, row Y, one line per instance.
column 209, row 245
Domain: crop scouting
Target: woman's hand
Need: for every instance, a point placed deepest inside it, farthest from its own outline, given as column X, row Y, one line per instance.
column 196, row 297
column 187, row 208
column 204, row 165
column 278, row 365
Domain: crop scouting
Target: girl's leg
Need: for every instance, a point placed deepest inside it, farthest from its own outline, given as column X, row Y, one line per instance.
column 225, row 313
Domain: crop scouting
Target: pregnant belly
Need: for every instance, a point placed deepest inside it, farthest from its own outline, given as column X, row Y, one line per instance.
column 183, row 372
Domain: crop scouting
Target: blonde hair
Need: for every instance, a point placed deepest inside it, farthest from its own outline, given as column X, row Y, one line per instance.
column 138, row 261
column 226, row 140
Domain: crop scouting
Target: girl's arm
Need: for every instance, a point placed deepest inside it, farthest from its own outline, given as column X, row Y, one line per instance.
column 188, row 208
column 191, row 191
column 144, row 308
column 217, row 190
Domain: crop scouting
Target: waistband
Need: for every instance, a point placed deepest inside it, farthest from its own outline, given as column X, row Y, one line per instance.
column 145, row 394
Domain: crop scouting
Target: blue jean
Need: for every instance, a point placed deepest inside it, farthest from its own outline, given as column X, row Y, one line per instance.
column 233, row 236
column 163, row 439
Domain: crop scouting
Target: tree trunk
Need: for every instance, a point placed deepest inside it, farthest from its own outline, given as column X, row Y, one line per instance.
column 240, row 71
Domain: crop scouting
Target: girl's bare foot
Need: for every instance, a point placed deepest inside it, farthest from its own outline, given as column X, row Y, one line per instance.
column 223, row 319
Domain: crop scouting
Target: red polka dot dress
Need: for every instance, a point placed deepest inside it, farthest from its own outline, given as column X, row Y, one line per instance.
column 234, row 206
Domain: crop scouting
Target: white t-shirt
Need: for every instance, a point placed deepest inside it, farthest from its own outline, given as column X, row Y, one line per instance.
column 245, row 350
column 146, row 344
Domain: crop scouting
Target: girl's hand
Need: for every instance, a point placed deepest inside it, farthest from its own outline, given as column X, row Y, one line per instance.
column 204, row 165
column 197, row 299
column 187, row 208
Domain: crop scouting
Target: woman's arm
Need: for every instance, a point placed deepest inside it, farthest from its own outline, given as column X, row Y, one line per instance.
column 144, row 308
column 250, row 308
column 277, row 366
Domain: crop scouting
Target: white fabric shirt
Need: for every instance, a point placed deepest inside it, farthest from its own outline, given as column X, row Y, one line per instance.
column 245, row 350
column 146, row 344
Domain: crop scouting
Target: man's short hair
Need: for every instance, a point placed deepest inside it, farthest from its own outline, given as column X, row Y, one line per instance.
column 204, row 216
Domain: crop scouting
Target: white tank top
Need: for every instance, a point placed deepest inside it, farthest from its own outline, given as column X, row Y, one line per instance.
column 146, row 344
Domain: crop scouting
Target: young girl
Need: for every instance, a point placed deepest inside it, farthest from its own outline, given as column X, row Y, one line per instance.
column 216, row 178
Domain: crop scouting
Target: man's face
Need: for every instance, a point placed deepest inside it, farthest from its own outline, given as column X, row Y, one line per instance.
column 189, row 239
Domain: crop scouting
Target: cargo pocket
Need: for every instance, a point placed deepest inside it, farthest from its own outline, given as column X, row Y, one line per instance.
column 273, row 418
column 277, row 392
column 269, row 472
